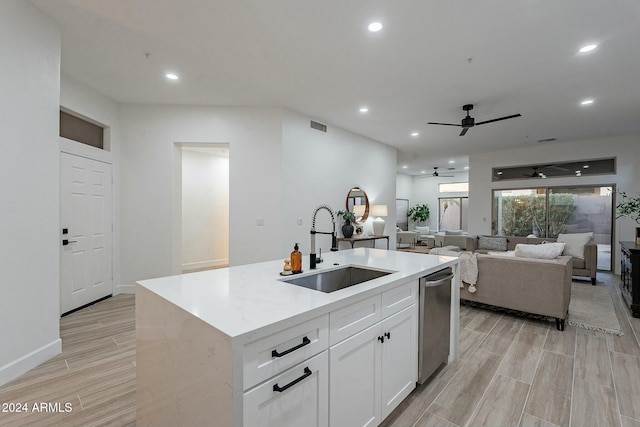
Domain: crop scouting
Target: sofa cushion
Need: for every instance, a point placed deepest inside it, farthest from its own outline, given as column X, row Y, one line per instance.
column 492, row 243
column 574, row 243
column 546, row 251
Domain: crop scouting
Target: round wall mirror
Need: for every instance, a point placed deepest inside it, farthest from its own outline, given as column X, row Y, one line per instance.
column 358, row 203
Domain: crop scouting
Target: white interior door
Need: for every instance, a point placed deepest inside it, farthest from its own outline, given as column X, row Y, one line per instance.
column 86, row 238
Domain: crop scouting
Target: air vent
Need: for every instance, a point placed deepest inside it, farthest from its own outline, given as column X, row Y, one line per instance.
column 318, row 126
column 547, row 140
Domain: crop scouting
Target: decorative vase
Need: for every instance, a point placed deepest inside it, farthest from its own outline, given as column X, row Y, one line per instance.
column 347, row 229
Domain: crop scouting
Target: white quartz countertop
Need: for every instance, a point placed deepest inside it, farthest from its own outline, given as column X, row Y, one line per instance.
column 243, row 299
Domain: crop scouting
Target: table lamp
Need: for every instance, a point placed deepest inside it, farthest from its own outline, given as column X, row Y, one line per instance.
column 378, row 211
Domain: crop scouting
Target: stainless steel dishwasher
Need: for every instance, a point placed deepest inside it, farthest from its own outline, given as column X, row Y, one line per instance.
column 435, row 320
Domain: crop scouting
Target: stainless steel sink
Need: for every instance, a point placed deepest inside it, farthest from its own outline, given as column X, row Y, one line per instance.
column 333, row 280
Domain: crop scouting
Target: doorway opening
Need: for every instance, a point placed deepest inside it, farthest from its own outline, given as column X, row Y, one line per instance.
column 204, row 207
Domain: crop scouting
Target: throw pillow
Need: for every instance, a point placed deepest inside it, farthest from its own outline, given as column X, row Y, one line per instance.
column 547, row 251
column 574, row 243
column 492, row 243
column 422, row 229
column 454, row 233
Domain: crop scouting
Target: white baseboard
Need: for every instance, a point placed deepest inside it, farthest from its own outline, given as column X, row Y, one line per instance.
column 199, row 265
column 124, row 289
column 13, row 370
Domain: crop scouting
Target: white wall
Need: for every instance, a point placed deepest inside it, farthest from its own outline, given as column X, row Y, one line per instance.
column 425, row 190
column 404, row 186
column 321, row 168
column 30, row 180
column 151, row 191
column 279, row 170
column 205, row 210
column 625, row 149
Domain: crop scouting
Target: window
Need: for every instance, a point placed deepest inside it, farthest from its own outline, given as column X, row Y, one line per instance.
column 549, row 211
column 80, row 130
column 453, row 213
column 453, row 187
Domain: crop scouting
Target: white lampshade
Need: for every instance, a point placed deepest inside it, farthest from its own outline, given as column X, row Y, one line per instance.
column 379, row 210
column 378, row 223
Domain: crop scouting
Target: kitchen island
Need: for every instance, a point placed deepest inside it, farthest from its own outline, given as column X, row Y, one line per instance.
column 240, row 347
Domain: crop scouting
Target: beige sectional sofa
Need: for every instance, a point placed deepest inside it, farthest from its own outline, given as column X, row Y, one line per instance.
column 585, row 267
column 531, row 285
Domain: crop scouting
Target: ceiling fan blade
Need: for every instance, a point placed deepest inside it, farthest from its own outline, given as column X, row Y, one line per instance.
column 498, row 119
column 464, row 131
column 444, row 124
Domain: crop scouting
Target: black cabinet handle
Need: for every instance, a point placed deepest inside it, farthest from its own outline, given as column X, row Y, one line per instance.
column 65, row 242
column 388, row 335
column 381, row 339
column 279, row 389
column 305, row 341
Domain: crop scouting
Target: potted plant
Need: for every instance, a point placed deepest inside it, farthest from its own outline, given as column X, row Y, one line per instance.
column 347, row 228
column 629, row 207
column 419, row 213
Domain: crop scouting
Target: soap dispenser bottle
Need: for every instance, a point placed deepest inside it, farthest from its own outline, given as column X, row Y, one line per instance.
column 296, row 260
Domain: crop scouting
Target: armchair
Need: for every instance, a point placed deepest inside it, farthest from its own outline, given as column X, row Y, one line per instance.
column 451, row 238
column 406, row 239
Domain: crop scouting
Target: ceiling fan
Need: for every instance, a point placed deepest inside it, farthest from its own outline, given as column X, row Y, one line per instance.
column 535, row 173
column 469, row 122
column 436, row 173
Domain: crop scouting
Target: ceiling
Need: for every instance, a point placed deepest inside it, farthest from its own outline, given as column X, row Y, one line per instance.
column 429, row 59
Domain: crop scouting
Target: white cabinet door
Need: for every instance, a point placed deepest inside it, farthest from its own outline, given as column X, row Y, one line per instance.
column 354, row 395
column 297, row 397
column 399, row 358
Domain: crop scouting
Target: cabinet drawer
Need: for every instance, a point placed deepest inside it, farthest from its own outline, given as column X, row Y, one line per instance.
column 273, row 354
column 303, row 402
column 352, row 319
column 399, row 298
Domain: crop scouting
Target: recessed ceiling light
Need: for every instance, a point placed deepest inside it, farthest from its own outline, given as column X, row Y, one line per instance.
column 451, row 161
column 466, row 167
column 585, row 167
column 586, row 102
column 423, row 171
column 587, row 48
column 374, row 27
column 499, row 173
column 171, row 76
column 404, row 166
column 415, row 134
column 364, row 109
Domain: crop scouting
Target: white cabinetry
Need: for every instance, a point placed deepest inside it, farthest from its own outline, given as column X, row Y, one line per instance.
column 296, row 390
column 399, row 358
column 375, row 369
column 297, row 397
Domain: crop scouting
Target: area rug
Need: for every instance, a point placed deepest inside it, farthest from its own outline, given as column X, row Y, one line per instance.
column 591, row 308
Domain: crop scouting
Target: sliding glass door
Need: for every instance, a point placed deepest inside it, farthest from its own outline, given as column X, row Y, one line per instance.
column 453, row 213
column 549, row 211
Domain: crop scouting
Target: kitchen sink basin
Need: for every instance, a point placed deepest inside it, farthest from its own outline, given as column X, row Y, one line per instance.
column 334, row 280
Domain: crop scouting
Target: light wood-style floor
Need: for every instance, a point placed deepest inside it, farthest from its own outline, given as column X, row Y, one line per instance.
column 512, row 372
column 95, row 373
